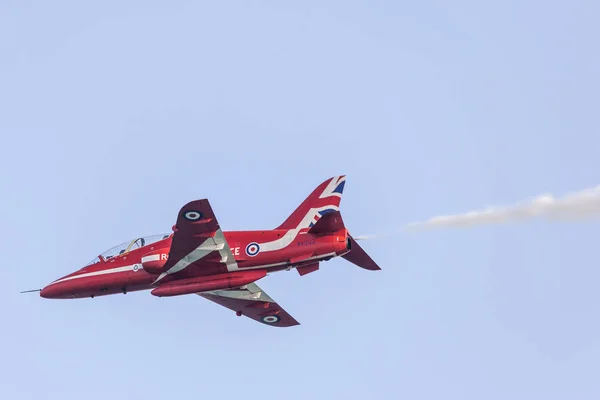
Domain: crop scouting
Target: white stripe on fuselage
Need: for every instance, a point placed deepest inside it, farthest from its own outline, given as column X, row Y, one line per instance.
column 153, row 257
column 127, row 268
column 101, row 272
column 290, row 235
column 280, row 243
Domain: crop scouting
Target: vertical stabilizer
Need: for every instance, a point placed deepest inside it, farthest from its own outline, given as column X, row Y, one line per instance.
column 324, row 199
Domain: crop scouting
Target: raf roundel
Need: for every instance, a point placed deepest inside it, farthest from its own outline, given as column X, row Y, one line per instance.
column 252, row 249
column 192, row 215
column 271, row 319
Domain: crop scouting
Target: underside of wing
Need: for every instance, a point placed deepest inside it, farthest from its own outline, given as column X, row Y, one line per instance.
column 196, row 227
column 252, row 302
column 198, row 242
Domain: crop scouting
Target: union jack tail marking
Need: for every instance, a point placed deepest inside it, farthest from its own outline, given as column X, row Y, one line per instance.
column 324, row 199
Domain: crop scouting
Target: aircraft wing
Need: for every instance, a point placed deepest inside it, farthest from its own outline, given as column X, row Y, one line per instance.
column 196, row 235
column 253, row 303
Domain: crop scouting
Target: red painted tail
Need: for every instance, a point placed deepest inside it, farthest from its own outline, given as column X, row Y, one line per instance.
column 324, row 199
column 321, row 215
column 332, row 223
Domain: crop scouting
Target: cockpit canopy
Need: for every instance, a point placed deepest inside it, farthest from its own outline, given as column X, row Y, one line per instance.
column 129, row 246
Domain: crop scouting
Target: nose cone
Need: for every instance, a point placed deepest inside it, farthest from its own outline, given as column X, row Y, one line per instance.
column 56, row 290
column 50, row 292
column 61, row 288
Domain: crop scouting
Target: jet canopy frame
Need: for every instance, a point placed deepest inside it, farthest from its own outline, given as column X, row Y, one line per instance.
column 126, row 247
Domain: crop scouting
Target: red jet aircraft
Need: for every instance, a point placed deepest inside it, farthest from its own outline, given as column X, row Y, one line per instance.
column 222, row 266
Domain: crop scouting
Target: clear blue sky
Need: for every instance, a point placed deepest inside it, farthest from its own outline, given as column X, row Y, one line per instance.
column 113, row 115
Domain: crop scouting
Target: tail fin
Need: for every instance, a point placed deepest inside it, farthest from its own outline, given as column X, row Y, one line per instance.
column 333, row 222
column 328, row 224
column 324, row 199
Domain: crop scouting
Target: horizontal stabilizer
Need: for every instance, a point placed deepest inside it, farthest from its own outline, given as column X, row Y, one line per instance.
column 329, row 223
column 359, row 257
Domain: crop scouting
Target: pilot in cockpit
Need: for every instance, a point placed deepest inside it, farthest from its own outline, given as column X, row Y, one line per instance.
column 128, row 246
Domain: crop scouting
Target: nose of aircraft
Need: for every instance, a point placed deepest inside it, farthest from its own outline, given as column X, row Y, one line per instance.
column 61, row 288
column 54, row 290
column 49, row 292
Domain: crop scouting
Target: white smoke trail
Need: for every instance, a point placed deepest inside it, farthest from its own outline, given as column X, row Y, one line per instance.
column 367, row 237
column 584, row 204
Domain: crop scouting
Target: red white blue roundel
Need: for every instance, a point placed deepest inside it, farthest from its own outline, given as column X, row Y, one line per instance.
column 252, row 249
column 271, row 319
column 192, row 215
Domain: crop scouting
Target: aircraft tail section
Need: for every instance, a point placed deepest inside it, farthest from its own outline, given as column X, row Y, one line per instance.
column 328, row 224
column 324, row 199
column 333, row 222
column 320, row 214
